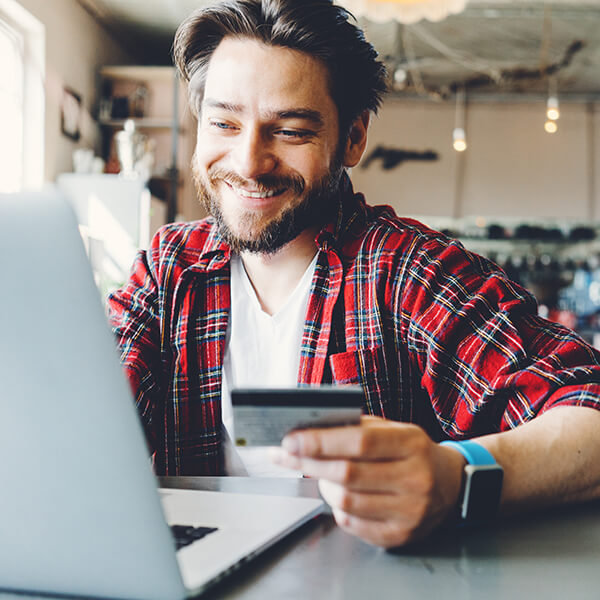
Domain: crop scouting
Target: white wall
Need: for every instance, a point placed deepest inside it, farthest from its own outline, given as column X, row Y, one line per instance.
column 512, row 167
column 426, row 186
column 75, row 47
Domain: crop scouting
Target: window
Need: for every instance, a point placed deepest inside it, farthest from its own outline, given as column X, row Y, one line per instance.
column 11, row 108
column 22, row 101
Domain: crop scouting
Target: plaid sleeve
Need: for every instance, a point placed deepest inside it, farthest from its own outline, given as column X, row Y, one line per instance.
column 488, row 362
column 133, row 314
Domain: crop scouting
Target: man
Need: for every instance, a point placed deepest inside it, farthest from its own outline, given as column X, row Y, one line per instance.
column 294, row 279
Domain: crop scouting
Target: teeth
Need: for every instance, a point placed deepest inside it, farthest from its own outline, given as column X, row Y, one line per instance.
column 255, row 194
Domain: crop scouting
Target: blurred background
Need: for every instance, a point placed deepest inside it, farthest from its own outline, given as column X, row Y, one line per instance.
column 490, row 132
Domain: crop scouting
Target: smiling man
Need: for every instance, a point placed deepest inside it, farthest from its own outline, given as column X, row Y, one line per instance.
column 294, row 279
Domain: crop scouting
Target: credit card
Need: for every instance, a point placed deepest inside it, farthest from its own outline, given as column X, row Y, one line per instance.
column 262, row 417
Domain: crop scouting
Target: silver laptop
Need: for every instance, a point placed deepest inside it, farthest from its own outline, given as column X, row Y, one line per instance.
column 80, row 513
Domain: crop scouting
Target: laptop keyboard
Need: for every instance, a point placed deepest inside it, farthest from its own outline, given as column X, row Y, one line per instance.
column 185, row 534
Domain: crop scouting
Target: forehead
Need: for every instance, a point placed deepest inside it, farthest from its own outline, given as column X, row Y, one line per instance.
column 261, row 77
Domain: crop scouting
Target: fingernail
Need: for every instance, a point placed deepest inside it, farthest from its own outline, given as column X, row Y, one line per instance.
column 291, row 444
column 341, row 518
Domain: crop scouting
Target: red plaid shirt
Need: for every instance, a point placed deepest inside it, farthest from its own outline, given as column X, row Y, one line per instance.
column 435, row 335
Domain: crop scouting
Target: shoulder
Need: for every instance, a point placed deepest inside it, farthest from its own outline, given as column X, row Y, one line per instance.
column 380, row 231
column 408, row 252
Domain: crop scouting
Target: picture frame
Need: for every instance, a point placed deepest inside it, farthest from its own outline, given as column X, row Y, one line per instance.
column 70, row 114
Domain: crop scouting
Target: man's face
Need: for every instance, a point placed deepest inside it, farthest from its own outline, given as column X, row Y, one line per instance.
column 266, row 161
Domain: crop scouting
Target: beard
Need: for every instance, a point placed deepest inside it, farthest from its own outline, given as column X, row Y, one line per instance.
column 315, row 207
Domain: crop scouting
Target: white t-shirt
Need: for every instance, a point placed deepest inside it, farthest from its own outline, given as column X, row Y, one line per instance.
column 261, row 350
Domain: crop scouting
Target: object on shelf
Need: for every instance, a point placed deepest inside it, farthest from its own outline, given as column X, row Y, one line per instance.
column 496, row 232
column 84, row 161
column 112, row 166
column 536, row 232
column 105, row 103
column 582, row 233
column 139, row 101
column 135, row 151
column 120, row 107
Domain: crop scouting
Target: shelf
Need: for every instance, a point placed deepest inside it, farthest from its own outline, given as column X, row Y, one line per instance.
column 140, row 123
column 503, row 243
column 161, row 116
column 138, row 73
column 579, row 250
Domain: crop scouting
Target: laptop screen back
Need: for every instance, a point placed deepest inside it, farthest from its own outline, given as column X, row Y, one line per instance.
column 79, row 513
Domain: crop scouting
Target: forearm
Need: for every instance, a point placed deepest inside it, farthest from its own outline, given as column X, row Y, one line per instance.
column 553, row 459
column 388, row 483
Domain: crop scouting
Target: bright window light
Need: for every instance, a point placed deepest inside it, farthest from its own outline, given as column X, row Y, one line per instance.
column 11, row 109
column 22, row 98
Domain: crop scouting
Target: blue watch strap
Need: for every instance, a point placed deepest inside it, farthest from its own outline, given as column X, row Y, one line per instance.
column 475, row 453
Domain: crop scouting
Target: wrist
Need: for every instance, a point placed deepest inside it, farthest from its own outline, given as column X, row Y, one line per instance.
column 452, row 465
column 481, row 487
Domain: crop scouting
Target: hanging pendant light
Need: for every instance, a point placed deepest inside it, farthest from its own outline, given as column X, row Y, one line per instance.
column 459, row 137
column 404, row 11
column 552, row 108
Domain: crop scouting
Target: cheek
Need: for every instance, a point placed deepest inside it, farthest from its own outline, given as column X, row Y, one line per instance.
column 314, row 169
column 208, row 150
column 310, row 162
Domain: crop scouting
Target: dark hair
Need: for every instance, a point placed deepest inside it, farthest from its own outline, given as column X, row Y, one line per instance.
column 316, row 27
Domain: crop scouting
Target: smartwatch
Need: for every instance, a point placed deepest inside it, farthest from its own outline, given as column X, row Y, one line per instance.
column 482, row 483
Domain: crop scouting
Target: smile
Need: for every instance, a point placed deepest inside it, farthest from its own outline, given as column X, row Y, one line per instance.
column 256, row 195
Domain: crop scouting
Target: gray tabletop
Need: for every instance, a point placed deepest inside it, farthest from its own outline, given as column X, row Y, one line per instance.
column 552, row 554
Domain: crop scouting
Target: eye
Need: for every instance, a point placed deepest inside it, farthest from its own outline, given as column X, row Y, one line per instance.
column 221, row 125
column 294, row 134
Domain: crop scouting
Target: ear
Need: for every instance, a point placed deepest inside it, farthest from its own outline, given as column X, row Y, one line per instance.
column 357, row 140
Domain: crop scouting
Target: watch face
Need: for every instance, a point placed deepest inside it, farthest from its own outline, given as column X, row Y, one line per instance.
column 481, row 498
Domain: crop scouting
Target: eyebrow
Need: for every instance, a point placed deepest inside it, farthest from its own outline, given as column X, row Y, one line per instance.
column 292, row 113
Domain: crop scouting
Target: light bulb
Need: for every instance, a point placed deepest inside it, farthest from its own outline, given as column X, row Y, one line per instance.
column 551, row 126
column 400, row 76
column 552, row 111
column 459, row 140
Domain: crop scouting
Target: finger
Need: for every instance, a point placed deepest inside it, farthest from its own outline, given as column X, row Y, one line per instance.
column 373, row 439
column 365, row 505
column 397, row 476
column 387, row 534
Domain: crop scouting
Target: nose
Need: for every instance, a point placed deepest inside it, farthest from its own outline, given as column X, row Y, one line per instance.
column 253, row 155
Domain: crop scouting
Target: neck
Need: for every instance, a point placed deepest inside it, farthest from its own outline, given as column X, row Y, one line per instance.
column 274, row 276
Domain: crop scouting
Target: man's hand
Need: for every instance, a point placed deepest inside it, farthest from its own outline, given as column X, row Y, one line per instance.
column 386, row 482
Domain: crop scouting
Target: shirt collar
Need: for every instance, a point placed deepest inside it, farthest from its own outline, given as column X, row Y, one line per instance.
column 215, row 253
column 349, row 215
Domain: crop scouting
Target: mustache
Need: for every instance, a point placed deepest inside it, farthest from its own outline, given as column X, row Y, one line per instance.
column 262, row 183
